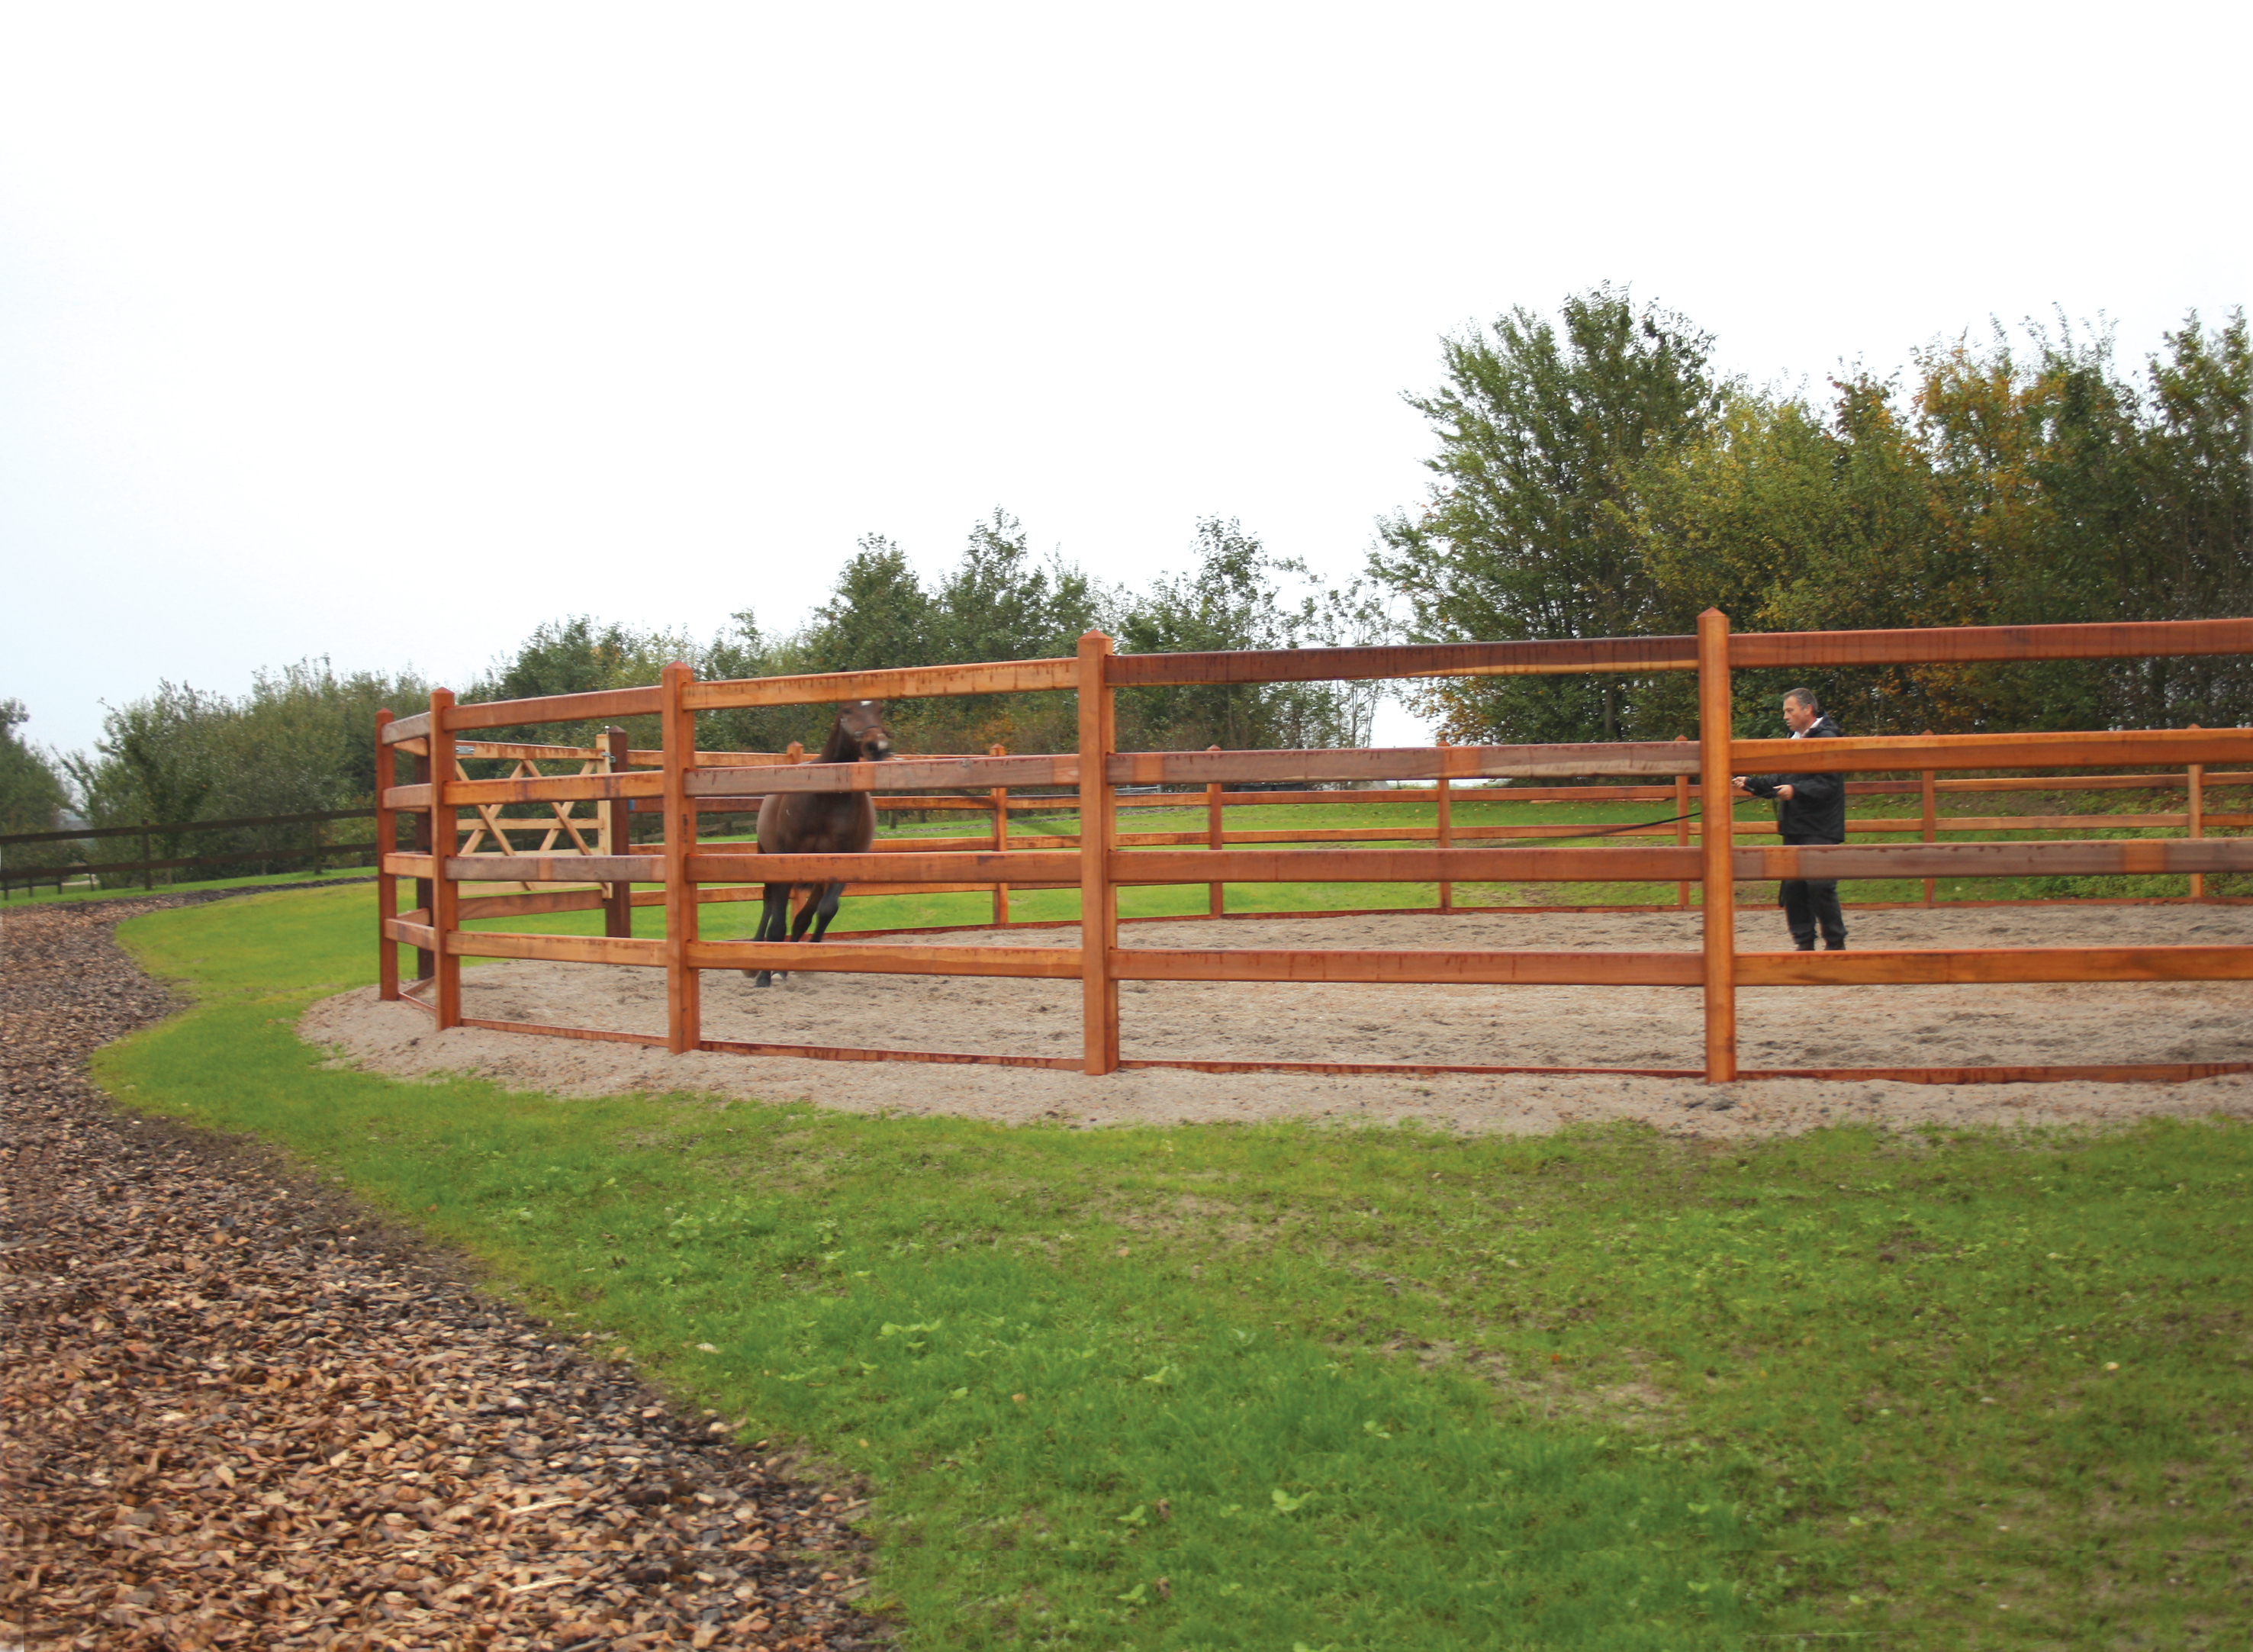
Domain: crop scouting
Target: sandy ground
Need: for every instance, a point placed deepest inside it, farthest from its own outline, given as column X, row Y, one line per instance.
column 1518, row 1025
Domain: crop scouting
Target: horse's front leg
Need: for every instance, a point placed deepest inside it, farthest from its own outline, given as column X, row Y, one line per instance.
column 774, row 919
column 820, row 911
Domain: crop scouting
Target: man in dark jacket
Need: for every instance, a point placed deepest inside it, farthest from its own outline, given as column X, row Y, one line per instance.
column 1809, row 808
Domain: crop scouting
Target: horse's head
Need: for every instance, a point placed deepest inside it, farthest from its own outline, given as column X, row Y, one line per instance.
column 860, row 736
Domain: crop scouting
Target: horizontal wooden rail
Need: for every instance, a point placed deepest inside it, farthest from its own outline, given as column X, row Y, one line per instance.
column 539, row 902
column 554, row 868
column 1403, row 866
column 1035, row 963
column 407, row 864
column 1418, row 966
column 559, row 949
column 2109, row 749
column 513, row 749
column 948, row 867
column 601, row 703
column 899, row 774
column 590, row 1035
column 1919, row 967
column 917, row 867
column 403, row 728
column 1400, row 762
column 410, row 933
column 747, row 800
column 558, row 788
column 1963, row 644
column 910, row 682
column 1621, row 655
column 847, row 1052
column 2118, row 1073
column 2077, row 858
column 482, row 749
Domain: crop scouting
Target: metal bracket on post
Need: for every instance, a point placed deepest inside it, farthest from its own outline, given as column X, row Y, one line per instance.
column 1718, row 836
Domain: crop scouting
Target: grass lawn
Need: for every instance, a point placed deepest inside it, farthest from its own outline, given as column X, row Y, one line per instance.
column 1286, row 1387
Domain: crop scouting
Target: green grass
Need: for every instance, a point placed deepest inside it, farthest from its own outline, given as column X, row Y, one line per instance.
column 1355, row 1389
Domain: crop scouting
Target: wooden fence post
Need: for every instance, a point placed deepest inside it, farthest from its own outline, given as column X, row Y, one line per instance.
column 148, row 872
column 683, row 1005
column 1216, row 894
column 387, row 886
column 445, row 837
column 1099, row 831
column 1000, row 836
column 1928, row 788
column 1682, row 821
column 1719, row 838
column 1443, row 833
column 2196, row 795
column 617, row 838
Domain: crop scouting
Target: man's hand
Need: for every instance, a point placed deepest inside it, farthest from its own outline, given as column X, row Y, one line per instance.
column 1783, row 793
column 1737, row 785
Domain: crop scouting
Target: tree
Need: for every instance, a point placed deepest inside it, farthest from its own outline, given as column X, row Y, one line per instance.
column 997, row 602
column 2010, row 485
column 878, row 615
column 1001, row 603
column 32, row 795
column 1547, row 437
column 301, row 741
column 1235, row 599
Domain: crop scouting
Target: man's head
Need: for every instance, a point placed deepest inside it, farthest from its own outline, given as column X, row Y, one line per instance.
column 1800, row 710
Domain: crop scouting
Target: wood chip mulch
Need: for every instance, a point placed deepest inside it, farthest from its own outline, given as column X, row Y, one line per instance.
column 238, row 1414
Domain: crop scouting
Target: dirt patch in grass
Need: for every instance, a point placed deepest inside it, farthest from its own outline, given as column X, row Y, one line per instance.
column 2060, row 1024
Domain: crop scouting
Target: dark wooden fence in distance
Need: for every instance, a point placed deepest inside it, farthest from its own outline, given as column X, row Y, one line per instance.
column 60, row 872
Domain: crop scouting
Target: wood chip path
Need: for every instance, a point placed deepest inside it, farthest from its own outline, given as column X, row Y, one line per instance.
column 239, row 1414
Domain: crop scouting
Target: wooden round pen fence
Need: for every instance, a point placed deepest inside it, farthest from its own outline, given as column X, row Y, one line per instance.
column 679, row 783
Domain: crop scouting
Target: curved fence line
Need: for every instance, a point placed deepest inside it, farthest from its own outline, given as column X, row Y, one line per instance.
column 681, row 876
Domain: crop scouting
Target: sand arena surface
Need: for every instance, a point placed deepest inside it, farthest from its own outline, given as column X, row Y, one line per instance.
column 2073, row 1023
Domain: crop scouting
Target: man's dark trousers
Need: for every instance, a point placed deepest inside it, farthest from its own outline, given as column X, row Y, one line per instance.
column 1808, row 905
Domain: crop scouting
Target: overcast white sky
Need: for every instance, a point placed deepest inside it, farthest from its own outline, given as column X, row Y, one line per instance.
column 387, row 332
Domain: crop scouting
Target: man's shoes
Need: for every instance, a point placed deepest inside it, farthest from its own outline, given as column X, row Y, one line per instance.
column 1834, row 946
column 1804, row 946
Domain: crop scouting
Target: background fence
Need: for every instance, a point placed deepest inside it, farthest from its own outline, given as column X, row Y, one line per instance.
column 684, row 874
column 28, row 872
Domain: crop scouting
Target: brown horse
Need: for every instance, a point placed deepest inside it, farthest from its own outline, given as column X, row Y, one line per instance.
column 820, row 823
